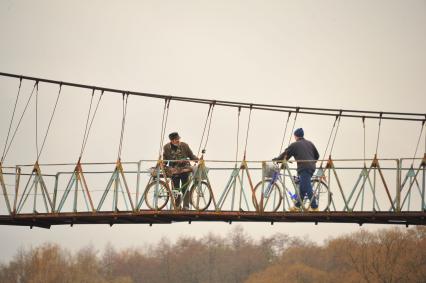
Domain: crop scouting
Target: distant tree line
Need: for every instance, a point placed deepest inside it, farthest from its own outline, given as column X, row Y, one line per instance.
column 390, row 255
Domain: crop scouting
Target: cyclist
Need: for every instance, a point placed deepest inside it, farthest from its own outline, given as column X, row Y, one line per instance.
column 301, row 150
column 177, row 150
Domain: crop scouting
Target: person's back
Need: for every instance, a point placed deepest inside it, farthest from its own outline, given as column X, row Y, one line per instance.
column 302, row 149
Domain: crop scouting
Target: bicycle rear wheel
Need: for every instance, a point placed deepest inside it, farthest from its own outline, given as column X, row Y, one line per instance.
column 157, row 195
column 322, row 195
column 272, row 196
column 201, row 195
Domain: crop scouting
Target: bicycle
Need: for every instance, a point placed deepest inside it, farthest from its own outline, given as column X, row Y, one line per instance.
column 157, row 192
column 273, row 191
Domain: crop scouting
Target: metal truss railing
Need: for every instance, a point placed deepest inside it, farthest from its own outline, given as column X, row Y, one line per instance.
column 343, row 185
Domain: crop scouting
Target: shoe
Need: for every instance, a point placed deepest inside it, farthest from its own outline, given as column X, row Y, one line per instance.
column 313, row 209
column 294, row 209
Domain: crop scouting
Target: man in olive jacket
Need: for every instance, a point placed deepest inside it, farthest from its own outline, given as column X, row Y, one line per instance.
column 177, row 150
column 302, row 149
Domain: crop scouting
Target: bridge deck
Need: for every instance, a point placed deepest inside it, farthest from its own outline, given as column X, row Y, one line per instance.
column 46, row 220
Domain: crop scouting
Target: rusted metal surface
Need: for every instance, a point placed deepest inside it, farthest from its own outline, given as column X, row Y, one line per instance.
column 46, row 220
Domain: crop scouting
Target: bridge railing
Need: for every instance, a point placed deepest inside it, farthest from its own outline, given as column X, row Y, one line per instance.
column 345, row 185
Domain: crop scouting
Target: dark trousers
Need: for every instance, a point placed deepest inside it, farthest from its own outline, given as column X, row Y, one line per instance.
column 305, row 187
column 181, row 181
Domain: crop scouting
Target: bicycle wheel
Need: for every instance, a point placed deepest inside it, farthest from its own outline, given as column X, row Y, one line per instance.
column 157, row 195
column 321, row 194
column 201, row 195
column 272, row 196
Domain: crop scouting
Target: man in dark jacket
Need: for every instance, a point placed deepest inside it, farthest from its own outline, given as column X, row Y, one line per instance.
column 177, row 150
column 301, row 150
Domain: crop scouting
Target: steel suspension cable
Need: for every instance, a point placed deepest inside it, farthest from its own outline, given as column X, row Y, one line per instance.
column 204, row 129
column 285, row 131
column 123, row 122
column 247, row 133
column 19, row 123
column 281, row 108
column 238, row 133
column 335, row 134
column 163, row 124
column 418, row 142
column 87, row 123
column 36, row 118
column 208, row 131
column 294, row 124
column 11, row 120
column 363, row 126
column 50, row 122
column 91, row 121
column 378, row 133
column 328, row 142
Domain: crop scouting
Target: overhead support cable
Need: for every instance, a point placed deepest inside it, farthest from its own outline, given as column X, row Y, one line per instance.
column 284, row 133
column 418, row 142
column 254, row 106
column 207, row 125
column 19, row 123
column 123, row 123
column 36, row 118
column 50, row 122
column 378, row 133
column 335, row 133
column 238, row 133
column 247, row 134
column 91, row 121
column 164, row 124
column 89, row 125
column 292, row 129
column 11, row 120
column 328, row 142
column 363, row 127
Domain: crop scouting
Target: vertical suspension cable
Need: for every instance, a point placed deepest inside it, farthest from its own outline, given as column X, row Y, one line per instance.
column 247, row 133
column 328, row 142
column 208, row 131
column 87, row 122
column 335, row 133
column 238, row 133
column 378, row 133
column 425, row 135
column 11, row 120
column 363, row 126
column 285, row 131
column 163, row 124
column 418, row 142
column 294, row 124
column 36, row 117
column 123, row 122
column 204, row 129
column 19, row 122
column 91, row 121
column 50, row 122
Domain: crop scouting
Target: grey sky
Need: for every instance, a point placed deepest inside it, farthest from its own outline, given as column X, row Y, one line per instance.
column 366, row 55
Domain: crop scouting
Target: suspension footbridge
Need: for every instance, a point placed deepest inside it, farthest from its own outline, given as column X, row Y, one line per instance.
column 369, row 189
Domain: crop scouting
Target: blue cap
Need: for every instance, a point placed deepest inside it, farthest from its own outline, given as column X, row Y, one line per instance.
column 299, row 133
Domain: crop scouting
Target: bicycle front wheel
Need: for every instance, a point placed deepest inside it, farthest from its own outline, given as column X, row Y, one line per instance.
column 201, row 195
column 272, row 196
column 157, row 195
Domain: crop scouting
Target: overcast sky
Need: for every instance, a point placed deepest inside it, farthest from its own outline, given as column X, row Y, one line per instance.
column 367, row 55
